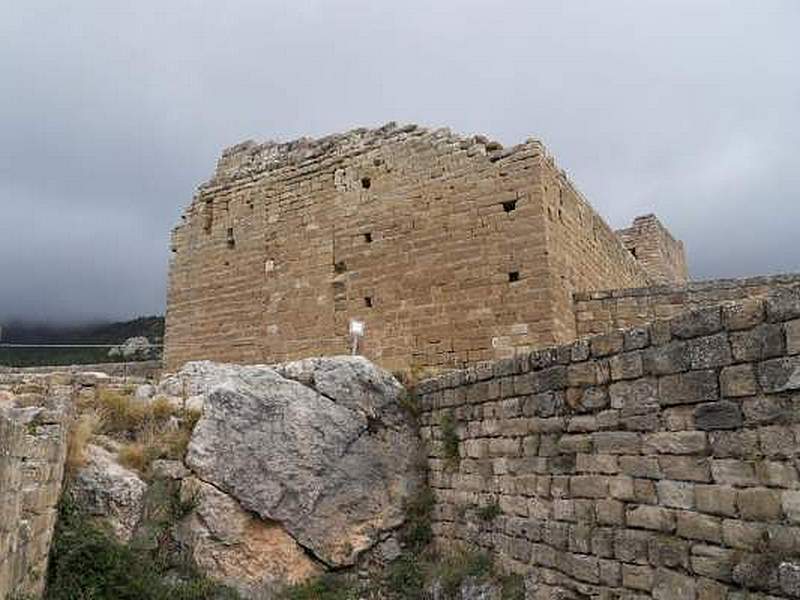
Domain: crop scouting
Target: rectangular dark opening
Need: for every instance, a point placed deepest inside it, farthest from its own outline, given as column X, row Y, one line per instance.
column 368, row 301
column 510, row 205
column 366, row 182
column 340, row 267
column 513, row 276
column 368, row 238
column 231, row 239
column 633, row 251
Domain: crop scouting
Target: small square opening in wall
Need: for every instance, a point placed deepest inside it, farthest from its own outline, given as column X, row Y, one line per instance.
column 513, row 276
column 366, row 182
column 510, row 206
column 368, row 301
column 368, row 238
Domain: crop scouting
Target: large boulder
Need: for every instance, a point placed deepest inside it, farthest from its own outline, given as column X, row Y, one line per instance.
column 237, row 548
column 322, row 446
column 109, row 492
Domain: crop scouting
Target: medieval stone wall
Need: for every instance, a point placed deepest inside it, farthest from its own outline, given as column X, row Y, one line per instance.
column 452, row 250
column 33, row 442
column 661, row 255
column 604, row 311
column 657, row 462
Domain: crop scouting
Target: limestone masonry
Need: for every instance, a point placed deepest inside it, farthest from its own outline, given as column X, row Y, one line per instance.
column 452, row 250
column 654, row 462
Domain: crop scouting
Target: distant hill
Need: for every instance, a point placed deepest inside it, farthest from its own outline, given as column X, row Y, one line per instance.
column 151, row 327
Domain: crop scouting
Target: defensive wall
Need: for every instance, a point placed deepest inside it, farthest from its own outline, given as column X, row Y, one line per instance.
column 33, row 446
column 452, row 250
column 653, row 462
column 603, row 311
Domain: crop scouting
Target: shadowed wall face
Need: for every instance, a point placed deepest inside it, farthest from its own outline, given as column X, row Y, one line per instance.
column 656, row 462
column 452, row 251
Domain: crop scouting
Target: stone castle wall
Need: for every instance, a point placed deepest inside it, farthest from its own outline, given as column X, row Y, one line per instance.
column 33, row 446
column 661, row 255
column 452, row 250
column 656, row 462
column 604, row 311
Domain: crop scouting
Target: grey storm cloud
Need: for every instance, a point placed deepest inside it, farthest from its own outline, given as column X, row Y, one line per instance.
column 111, row 113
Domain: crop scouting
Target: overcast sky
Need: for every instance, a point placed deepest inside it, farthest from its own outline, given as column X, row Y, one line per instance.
column 112, row 112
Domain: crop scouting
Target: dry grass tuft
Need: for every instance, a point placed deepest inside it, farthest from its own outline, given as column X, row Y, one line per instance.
column 80, row 433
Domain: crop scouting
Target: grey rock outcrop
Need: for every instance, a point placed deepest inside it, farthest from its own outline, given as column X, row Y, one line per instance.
column 237, row 548
column 321, row 446
column 107, row 490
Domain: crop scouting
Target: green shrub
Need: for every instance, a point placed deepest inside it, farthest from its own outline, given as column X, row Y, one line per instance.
column 327, row 587
column 450, row 441
column 489, row 512
column 417, row 533
column 87, row 563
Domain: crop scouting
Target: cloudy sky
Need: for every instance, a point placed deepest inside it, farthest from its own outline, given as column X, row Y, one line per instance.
column 112, row 112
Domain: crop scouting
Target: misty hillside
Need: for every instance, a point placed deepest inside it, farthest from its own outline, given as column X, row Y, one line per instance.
column 151, row 327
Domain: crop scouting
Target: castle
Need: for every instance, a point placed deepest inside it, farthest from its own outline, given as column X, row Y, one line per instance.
column 451, row 250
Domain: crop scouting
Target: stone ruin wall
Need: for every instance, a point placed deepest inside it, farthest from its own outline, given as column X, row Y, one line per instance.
column 655, row 462
column 33, row 446
column 603, row 311
column 452, row 250
column 661, row 255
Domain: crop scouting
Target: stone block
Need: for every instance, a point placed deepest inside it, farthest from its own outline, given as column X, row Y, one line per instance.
column 793, row 336
column 640, row 466
column 621, row 488
column 668, row 359
column 779, row 375
column 710, row 352
column 738, row 381
column 734, row 444
column 743, row 535
column 781, row 474
column 678, row 442
column 685, row 468
column 607, row 344
column 638, row 577
column 697, row 322
column 777, row 441
column 759, row 504
column 616, row 442
column 718, row 415
column 644, row 491
column 612, row 512
column 743, row 315
column 630, row 545
column 783, row 305
column 636, row 338
column 626, row 366
column 790, row 501
column 655, row 518
column 588, row 486
column 688, row 388
column 634, row 397
column 675, row 494
column 760, row 343
column 671, row 585
column 668, row 551
column 734, row 472
column 716, row 500
column 697, row 526
column 712, row 562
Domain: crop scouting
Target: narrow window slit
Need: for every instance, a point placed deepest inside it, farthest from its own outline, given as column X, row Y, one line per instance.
column 231, row 239
column 368, row 238
column 368, row 301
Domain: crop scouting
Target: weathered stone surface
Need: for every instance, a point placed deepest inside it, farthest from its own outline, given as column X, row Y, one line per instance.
column 232, row 545
column 107, row 490
column 780, row 375
column 718, row 415
column 321, row 446
column 688, row 388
